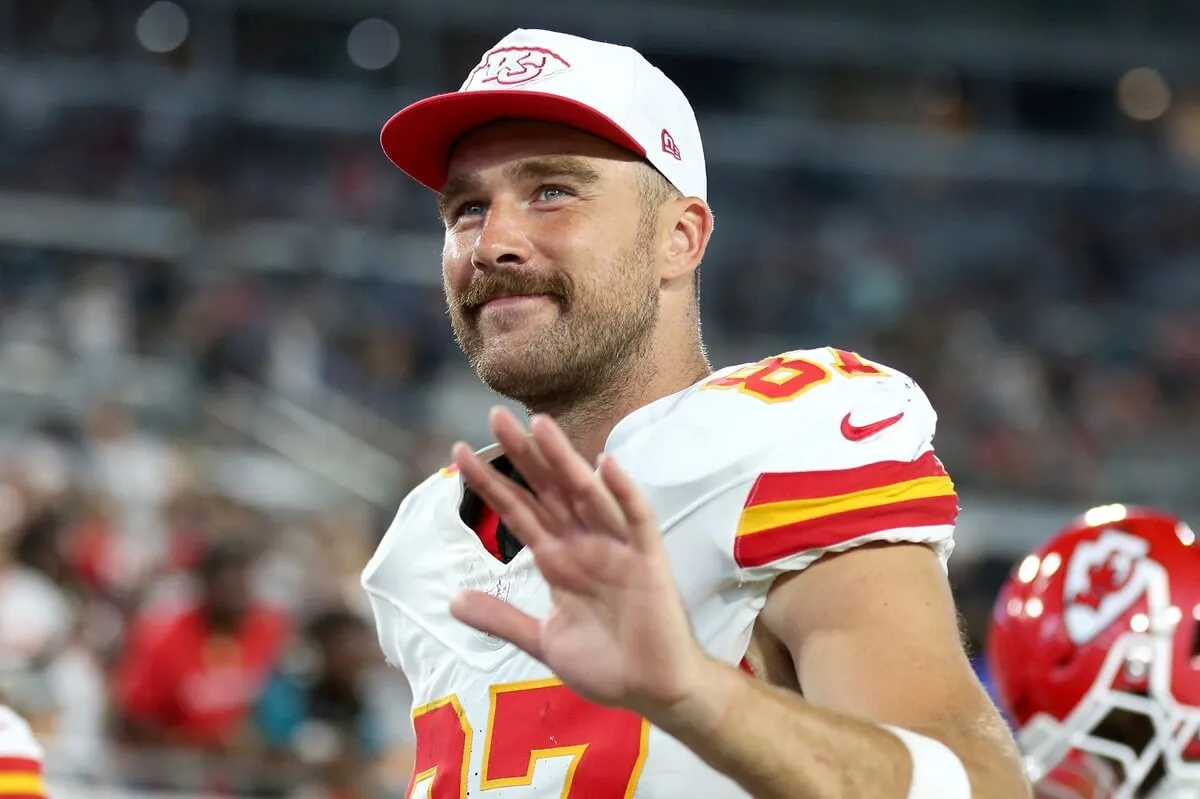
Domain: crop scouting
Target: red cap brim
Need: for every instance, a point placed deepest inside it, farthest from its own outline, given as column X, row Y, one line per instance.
column 419, row 138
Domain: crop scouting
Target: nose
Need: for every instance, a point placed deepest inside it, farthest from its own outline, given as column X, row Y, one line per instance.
column 502, row 240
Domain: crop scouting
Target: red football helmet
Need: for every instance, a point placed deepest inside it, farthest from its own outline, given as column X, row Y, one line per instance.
column 1094, row 652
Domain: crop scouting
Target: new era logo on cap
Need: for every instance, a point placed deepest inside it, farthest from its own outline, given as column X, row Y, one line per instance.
column 605, row 89
column 669, row 146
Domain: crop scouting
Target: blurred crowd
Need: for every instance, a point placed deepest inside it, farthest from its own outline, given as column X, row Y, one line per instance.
column 149, row 608
column 1057, row 333
column 142, row 614
column 1056, row 329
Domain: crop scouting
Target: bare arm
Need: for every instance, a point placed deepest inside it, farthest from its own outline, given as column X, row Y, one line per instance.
column 874, row 638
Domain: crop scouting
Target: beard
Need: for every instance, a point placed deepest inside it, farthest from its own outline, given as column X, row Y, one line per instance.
column 602, row 327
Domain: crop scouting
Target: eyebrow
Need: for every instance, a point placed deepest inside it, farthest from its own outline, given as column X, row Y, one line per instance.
column 563, row 166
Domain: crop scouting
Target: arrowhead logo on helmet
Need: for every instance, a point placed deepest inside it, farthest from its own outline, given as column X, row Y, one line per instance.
column 1103, row 581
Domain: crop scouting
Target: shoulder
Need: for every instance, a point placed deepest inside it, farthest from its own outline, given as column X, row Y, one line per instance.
column 804, row 389
column 838, row 452
column 811, row 409
column 413, row 517
column 268, row 623
column 164, row 633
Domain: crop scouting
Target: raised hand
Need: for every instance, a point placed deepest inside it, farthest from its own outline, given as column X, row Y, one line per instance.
column 617, row 632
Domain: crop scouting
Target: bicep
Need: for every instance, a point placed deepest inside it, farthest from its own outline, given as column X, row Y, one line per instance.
column 873, row 633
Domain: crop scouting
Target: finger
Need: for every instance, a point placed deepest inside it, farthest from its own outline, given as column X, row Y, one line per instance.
column 521, row 448
column 565, row 568
column 643, row 524
column 516, row 506
column 493, row 487
column 583, row 490
column 494, row 616
column 526, row 457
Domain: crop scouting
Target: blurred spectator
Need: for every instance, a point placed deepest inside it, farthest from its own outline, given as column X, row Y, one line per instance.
column 96, row 318
column 36, row 616
column 316, row 709
column 189, row 675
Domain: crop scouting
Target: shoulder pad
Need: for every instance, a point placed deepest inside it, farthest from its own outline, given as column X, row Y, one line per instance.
column 822, row 397
column 844, row 457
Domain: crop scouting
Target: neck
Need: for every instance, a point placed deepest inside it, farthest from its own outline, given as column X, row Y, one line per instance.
column 223, row 622
column 587, row 422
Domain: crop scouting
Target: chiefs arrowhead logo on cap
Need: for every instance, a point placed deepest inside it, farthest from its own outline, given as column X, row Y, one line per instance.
column 505, row 67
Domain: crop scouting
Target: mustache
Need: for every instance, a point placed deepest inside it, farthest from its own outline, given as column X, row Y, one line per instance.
column 490, row 285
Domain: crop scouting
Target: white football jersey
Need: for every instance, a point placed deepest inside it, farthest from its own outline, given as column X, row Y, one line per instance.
column 20, row 757
column 753, row 472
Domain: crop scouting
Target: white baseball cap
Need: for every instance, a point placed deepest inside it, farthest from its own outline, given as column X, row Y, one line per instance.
column 605, row 89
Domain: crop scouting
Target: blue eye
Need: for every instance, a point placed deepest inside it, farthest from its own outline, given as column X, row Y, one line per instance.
column 471, row 208
column 552, row 193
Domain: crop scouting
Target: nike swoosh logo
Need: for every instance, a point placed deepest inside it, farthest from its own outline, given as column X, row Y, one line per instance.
column 858, row 433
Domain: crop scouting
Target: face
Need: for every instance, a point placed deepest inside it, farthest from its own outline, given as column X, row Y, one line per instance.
column 228, row 593
column 548, row 262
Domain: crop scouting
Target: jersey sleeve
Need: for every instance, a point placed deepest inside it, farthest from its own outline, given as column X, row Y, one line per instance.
column 855, row 467
column 21, row 757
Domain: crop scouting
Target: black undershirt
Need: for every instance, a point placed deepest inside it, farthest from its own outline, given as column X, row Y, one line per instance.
column 472, row 511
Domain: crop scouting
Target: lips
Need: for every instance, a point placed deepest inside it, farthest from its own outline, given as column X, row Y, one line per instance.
column 511, row 296
column 513, row 299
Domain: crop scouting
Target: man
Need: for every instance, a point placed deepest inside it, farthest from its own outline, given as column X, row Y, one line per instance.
column 189, row 673
column 329, row 698
column 788, row 515
column 1093, row 646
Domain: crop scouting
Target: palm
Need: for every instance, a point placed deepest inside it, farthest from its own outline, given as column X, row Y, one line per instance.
column 616, row 631
column 598, row 635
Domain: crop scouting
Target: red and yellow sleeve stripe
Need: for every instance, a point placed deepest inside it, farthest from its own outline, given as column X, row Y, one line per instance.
column 789, row 513
column 21, row 778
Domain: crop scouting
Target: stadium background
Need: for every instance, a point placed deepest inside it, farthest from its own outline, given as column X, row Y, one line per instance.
column 220, row 311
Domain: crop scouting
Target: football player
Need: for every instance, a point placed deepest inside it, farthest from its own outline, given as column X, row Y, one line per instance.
column 572, row 627
column 1093, row 649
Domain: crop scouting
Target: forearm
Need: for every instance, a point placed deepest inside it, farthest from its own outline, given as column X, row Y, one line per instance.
column 778, row 746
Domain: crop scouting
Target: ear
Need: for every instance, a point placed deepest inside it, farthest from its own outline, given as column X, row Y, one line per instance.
column 691, row 228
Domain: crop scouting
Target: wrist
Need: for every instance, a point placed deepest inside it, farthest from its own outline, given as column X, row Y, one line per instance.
column 712, row 692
